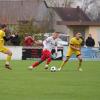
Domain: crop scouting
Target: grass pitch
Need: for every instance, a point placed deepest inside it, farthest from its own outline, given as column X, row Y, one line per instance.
column 39, row 84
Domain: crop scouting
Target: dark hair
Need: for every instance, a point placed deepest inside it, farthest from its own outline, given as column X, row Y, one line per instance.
column 76, row 33
column 3, row 25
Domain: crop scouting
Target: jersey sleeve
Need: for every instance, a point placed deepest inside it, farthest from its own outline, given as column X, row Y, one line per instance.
column 2, row 34
column 72, row 41
column 46, row 41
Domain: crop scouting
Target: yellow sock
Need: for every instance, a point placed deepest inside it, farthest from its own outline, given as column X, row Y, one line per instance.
column 80, row 63
column 8, row 58
column 63, row 63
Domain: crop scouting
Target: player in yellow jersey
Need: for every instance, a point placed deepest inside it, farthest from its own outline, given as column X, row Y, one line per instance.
column 4, row 49
column 74, row 48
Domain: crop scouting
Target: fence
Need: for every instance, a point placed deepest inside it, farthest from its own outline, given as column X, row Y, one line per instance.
column 23, row 53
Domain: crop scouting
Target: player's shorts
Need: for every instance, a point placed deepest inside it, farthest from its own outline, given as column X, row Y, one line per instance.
column 3, row 49
column 71, row 51
column 46, row 54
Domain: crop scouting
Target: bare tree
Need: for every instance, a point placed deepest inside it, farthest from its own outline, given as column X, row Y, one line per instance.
column 68, row 3
column 91, row 8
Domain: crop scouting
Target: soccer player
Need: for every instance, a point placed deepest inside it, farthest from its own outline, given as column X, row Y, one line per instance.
column 74, row 48
column 4, row 49
column 49, row 44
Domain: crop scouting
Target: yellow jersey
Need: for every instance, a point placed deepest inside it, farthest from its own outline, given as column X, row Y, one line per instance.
column 75, row 42
column 2, row 34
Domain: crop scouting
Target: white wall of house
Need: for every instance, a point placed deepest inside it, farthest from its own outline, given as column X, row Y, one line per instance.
column 98, row 34
column 95, row 31
column 70, row 32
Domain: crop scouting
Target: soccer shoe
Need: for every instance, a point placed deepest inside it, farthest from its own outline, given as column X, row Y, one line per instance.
column 46, row 67
column 59, row 69
column 30, row 67
column 80, row 69
column 8, row 66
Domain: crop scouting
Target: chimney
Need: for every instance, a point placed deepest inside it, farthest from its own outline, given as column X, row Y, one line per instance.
column 78, row 7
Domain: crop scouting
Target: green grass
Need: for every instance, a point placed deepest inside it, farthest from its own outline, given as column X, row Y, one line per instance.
column 38, row 84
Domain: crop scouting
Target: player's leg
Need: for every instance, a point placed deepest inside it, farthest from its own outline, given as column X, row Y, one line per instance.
column 37, row 62
column 65, row 60
column 49, row 58
column 78, row 53
column 80, row 63
column 9, row 55
column 48, row 62
column 43, row 58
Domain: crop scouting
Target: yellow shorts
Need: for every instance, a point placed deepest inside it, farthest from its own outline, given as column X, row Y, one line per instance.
column 3, row 49
column 71, row 51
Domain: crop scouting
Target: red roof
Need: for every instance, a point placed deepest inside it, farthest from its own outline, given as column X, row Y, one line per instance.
column 72, row 14
column 74, row 17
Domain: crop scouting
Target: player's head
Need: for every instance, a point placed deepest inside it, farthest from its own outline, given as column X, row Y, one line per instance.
column 3, row 27
column 78, row 35
column 55, row 35
column 90, row 35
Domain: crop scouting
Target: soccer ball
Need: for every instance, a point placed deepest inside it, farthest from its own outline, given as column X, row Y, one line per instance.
column 53, row 69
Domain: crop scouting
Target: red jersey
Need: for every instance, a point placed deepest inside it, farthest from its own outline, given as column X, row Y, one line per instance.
column 28, row 41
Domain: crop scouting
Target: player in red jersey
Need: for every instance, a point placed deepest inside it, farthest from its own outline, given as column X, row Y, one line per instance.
column 49, row 44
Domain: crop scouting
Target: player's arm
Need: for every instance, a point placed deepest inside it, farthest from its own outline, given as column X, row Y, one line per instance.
column 74, row 47
column 46, row 41
column 56, row 47
column 7, row 38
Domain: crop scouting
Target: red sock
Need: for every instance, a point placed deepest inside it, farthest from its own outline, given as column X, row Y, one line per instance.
column 35, row 64
column 48, row 60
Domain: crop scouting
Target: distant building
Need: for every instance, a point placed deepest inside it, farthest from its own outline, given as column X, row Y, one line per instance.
column 63, row 19
column 71, row 20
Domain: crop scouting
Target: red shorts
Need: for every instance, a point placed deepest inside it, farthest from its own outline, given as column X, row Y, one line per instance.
column 45, row 54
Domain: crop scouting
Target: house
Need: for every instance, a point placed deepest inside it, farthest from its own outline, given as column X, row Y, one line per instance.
column 72, row 20
column 66, row 20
